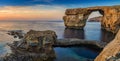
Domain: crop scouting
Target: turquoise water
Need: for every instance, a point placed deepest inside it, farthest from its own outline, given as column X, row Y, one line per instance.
column 75, row 54
column 91, row 32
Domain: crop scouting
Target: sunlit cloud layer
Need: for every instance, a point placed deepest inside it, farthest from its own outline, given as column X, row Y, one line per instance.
column 37, row 12
column 44, row 9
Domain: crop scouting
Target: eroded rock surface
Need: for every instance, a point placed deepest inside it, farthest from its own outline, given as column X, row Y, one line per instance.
column 114, row 58
column 111, row 50
column 34, row 46
column 40, row 38
column 76, row 18
column 16, row 33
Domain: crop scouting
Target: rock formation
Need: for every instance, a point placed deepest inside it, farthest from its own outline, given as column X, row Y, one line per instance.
column 111, row 50
column 16, row 33
column 114, row 58
column 76, row 18
column 40, row 38
column 34, row 46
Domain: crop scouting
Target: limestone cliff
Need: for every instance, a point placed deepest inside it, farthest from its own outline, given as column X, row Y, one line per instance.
column 76, row 18
column 110, row 50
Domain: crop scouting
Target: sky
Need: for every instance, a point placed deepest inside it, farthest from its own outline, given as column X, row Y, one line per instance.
column 44, row 9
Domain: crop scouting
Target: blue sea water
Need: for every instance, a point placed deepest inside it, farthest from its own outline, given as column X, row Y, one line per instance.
column 92, row 31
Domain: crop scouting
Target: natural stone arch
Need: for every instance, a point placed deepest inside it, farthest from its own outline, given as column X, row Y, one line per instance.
column 76, row 18
column 90, row 11
column 87, row 14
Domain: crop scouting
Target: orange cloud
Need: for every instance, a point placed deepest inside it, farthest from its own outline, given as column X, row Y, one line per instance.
column 38, row 12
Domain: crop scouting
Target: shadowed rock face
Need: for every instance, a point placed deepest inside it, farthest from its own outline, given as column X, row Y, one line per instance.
column 111, row 50
column 76, row 18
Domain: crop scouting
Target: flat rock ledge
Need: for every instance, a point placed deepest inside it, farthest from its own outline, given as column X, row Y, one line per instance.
column 72, row 42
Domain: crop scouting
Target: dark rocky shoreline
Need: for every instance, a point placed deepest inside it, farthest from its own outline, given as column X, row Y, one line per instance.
column 21, row 53
column 67, row 42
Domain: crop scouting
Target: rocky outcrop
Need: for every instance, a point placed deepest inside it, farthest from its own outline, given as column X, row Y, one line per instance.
column 95, row 19
column 16, row 33
column 76, row 18
column 67, row 42
column 40, row 39
column 33, row 46
column 111, row 50
column 38, row 46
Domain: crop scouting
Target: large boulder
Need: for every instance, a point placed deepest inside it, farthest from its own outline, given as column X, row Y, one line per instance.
column 40, row 38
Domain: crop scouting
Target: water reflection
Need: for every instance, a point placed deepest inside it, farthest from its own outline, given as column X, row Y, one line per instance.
column 107, row 36
column 75, row 54
column 74, row 33
column 104, row 35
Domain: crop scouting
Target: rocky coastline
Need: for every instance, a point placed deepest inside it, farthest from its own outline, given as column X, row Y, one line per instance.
column 22, row 52
column 38, row 45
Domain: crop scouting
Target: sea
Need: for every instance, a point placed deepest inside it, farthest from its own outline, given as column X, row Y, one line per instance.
column 92, row 31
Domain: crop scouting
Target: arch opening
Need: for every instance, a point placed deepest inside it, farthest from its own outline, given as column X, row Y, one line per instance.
column 93, row 25
column 94, row 29
column 95, row 16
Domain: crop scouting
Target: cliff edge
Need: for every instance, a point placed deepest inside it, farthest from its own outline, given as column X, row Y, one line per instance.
column 111, row 50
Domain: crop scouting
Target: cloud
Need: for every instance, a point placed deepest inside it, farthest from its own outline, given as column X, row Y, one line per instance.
column 37, row 12
column 67, row 3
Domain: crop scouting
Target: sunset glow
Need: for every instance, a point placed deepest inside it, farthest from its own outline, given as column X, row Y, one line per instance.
column 31, row 13
column 44, row 9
